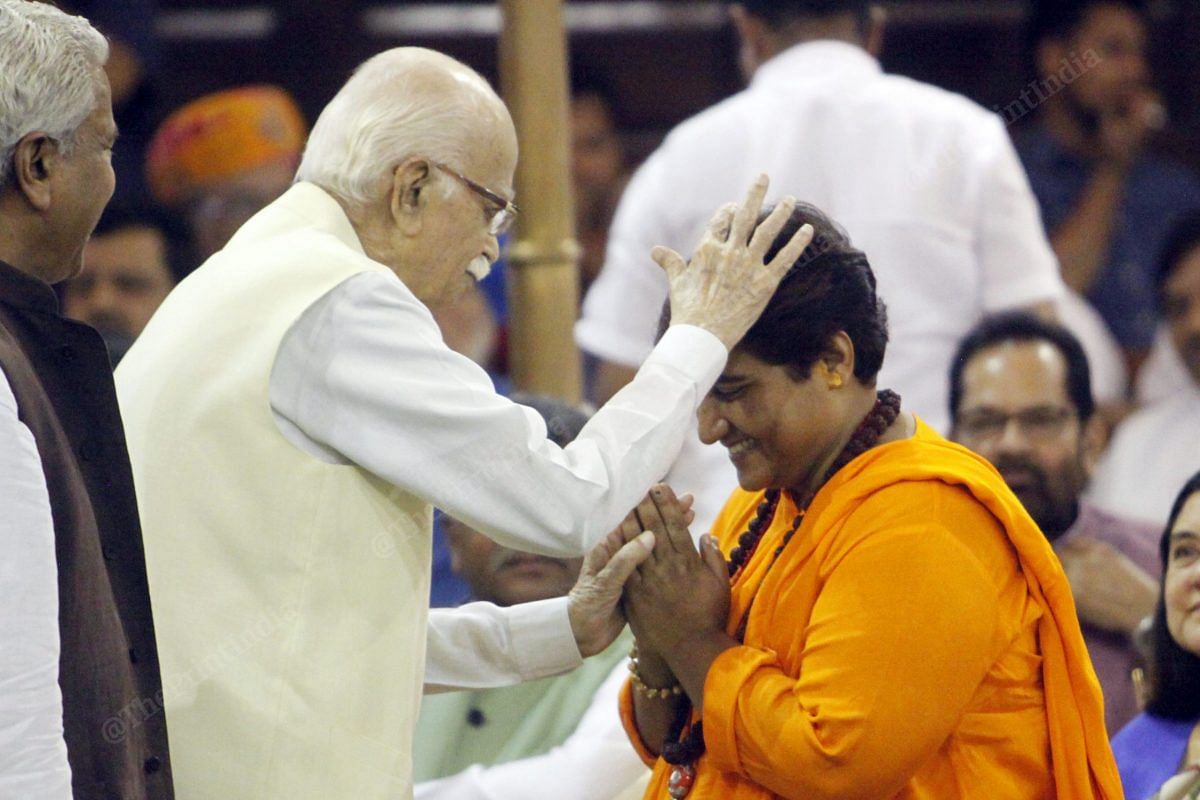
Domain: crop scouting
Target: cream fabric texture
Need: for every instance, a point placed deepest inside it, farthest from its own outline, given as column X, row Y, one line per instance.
column 282, row 585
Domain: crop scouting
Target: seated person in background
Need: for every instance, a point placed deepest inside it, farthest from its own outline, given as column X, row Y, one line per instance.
column 898, row 626
column 1163, row 745
column 1107, row 201
column 1019, row 397
column 1164, row 373
column 552, row 738
column 220, row 159
column 1153, row 451
column 129, row 265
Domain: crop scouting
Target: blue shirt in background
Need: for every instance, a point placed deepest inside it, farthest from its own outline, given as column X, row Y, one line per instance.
column 1157, row 193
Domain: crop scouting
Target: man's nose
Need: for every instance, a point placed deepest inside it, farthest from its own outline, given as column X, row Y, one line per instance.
column 492, row 249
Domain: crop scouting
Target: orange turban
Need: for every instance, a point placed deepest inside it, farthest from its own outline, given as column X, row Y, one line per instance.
column 222, row 135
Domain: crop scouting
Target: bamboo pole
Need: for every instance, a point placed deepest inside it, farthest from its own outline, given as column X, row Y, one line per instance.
column 543, row 260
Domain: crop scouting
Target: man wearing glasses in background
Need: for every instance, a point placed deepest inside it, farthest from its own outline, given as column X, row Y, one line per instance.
column 292, row 414
column 1020, row 396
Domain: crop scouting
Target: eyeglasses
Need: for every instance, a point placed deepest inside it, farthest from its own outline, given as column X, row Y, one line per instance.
column 1039, row 422
column 503, row 219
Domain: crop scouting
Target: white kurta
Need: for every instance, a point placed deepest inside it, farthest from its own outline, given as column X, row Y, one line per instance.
column 594, row 763
column 33, row 754
column 291, row 412
column 1152, row 454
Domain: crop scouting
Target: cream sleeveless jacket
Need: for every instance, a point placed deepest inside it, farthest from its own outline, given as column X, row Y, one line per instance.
column 291, row 623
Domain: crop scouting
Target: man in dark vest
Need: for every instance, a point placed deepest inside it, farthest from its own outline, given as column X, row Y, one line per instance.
column 80, row 713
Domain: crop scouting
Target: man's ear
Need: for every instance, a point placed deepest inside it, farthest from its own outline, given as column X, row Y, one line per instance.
column 34, row 160
column 410, row 183
column 1095, row 437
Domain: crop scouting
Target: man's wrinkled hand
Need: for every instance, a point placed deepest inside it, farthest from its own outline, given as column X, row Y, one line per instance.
column 727, row 284
column 594, row 603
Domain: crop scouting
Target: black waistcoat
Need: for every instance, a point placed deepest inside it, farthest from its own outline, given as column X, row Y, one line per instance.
column 113, row 720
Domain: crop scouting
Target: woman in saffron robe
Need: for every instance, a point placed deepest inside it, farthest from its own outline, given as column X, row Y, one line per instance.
column 890, row 623
column 1158, row 752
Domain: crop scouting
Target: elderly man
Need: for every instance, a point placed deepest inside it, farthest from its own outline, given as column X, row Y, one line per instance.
column 292, row 413
column 79, row 713
column 1020, row 396
column 926, row 181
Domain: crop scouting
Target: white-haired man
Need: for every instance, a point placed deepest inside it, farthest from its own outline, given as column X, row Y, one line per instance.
column 292, row 412
column 79, row 678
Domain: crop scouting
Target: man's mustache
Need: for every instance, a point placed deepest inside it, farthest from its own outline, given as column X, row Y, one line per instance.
column 1012, row 465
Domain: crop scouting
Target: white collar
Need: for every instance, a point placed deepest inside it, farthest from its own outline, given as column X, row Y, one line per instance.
column 303, row 205
column 822, row 58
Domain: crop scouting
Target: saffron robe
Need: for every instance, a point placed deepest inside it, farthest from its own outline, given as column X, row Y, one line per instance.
column 916, row 639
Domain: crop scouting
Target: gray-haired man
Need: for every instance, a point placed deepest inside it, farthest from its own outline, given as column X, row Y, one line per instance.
column 80, row 710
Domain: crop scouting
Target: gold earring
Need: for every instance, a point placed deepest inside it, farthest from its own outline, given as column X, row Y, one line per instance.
column 835, row 380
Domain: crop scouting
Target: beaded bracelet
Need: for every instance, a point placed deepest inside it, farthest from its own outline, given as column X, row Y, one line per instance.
column 640, row 686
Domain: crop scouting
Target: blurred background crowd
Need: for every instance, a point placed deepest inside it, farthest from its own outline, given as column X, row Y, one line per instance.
column 214, row 100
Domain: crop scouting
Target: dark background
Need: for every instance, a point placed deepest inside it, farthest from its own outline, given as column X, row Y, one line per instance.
column 662, row 71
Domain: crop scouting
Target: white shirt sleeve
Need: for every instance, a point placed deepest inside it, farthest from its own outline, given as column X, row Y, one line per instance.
column 33, row 754
column 363, row 377
column 596, row 762
column 1017, row 264
column 480, row 645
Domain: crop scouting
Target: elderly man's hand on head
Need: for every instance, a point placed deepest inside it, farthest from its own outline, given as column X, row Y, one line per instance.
column 726, row 285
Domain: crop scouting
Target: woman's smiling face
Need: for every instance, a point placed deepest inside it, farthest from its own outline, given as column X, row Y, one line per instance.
column 1181, row 585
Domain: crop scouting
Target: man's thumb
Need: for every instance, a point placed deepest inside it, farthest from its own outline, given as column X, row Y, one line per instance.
column 626, row 560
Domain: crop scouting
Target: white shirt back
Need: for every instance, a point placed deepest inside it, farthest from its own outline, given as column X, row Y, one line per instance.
column 924, row 181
